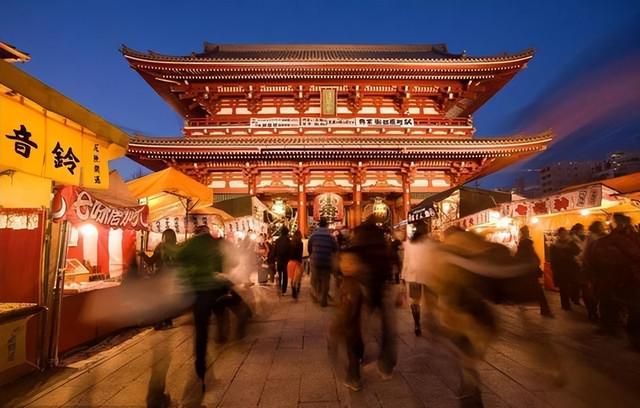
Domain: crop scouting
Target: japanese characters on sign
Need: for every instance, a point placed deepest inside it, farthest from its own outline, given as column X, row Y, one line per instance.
column 587, row 197
column 78, row 206
column 328, row 101
column 177, row 223
column 418, row 214
column 44, row 144
column 331, row 122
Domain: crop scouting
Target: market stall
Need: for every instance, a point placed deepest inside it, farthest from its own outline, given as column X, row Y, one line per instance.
column 583, row 204
column 100, row 246
column 176, row 201
column 46, row 139
column 578, row 204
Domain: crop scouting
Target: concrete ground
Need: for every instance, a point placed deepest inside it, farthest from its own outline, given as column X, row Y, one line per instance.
column 283, row 362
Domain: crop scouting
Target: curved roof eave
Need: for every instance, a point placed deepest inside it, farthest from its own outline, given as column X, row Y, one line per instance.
column 151, row 57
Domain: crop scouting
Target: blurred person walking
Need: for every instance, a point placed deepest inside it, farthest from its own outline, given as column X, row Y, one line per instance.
column 527, row 254
column 164, row 262
column 282, row 253
column 366, row 267
column 466, row 272
column 294, row 267
column 417, row 251
column 204, row 259
column 616, row 259
column 588, row 280
column 322, row 251
column 564, row 264
column 262, row 256
column 579, row 237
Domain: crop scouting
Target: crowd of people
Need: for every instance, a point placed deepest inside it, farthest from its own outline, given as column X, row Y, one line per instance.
column 602, row 270
column 452, row 283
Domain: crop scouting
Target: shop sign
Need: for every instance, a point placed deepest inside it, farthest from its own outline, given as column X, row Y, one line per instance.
column 318, row 122
column 19, row 219
column 422, row 213
column 178, row 223
column 79, row 206
column 44, row 145
column 587, row 197
column 480, row 218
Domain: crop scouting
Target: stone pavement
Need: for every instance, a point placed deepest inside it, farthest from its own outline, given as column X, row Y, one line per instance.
column 283, row 363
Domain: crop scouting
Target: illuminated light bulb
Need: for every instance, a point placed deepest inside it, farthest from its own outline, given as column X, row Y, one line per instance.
column 584, row 212
column 535, row 220
column 88, row 229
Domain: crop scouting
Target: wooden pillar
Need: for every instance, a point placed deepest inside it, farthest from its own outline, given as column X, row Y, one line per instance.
column 406, row 196
column 358, row 178
column 302, row 205
column 249, row 177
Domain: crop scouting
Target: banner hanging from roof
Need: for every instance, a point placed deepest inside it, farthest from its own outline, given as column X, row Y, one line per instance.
column 177, row 223
column 79, row 206
column 330, row 122
column 44, row 144
column 587, row 197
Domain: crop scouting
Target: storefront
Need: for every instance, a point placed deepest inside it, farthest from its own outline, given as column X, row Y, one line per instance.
column 459, row 206
column 101, row 228
column 46, row 140
column 582, row 204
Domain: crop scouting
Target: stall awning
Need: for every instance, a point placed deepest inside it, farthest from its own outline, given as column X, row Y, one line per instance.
column 166, row 193
column 170, row 181
column 623, row 184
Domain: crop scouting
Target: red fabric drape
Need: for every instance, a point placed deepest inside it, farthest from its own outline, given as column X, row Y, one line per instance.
column 76, row 252
column 20, row 260
column 128, row 248
column 103, row 249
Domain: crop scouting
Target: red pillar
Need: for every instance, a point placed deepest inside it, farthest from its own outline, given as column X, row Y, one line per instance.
column 406, row 196
column 302, row 206
column 358, row 178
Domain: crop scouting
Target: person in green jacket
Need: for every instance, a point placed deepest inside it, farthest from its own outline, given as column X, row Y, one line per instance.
column 203, row 260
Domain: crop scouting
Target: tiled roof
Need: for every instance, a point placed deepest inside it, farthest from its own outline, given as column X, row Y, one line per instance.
column 321, row 53
column 306, row 147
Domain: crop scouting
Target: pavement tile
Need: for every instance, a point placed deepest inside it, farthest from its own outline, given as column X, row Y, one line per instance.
column 284, row 362
column 318, row 386
column 280, row 393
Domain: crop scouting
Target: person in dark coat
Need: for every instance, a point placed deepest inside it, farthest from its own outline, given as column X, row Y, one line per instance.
column 527, row 254
column 588, row 279
column 565, row 266
column 322, row 248
column 616, row 260
column 282, row 253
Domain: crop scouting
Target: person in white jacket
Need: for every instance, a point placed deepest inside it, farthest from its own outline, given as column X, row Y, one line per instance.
column 417, row 253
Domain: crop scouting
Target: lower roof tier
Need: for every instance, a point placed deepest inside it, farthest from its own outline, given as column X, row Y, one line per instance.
column 305, row 148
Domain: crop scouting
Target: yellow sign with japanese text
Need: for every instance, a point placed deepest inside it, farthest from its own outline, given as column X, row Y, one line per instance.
column 63, row 152
column 95, row 170
column 46, row 145
column 22, row 136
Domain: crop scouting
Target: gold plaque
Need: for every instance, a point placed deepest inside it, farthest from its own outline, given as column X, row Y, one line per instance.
column 328, row 101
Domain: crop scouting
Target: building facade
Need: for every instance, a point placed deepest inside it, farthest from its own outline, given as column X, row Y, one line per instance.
column 372, row 124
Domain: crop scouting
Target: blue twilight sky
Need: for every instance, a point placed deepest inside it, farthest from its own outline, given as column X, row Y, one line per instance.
column 74, row 44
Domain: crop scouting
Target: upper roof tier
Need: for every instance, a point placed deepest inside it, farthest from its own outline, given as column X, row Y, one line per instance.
column 331, row 53
column 196, row 84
